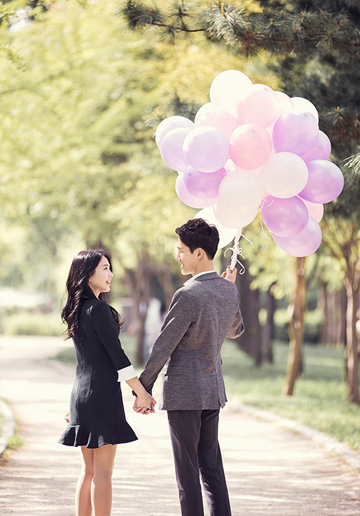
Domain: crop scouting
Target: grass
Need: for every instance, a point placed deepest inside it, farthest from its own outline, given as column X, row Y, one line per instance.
column 320, row 398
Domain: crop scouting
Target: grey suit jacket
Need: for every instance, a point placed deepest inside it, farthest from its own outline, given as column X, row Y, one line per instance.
column 200, row 317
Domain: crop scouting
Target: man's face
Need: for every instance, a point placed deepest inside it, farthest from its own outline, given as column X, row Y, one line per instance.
column 188, row 260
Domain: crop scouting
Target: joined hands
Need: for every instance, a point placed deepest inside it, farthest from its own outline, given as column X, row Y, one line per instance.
column 145, row 406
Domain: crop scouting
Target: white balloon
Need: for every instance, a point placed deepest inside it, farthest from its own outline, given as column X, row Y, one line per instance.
column 302, row 105
column 170, row 123
column 226, row 234
column 284, row 175
column 228, row 87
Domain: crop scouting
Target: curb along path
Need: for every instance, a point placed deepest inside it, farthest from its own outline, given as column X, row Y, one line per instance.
column 270, row 470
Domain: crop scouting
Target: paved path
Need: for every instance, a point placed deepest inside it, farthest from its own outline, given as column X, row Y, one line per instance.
column 270, row 471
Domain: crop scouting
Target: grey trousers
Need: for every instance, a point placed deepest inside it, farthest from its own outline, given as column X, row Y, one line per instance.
column 194, row 438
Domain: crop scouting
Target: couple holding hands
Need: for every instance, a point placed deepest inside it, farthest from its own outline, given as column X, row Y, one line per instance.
column 201, row 315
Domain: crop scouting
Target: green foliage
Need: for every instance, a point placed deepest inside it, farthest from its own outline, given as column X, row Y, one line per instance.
column 32, row 324
column 247, row 32
column 312, row 325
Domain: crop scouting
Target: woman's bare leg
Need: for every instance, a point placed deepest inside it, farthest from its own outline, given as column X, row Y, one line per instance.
column 101, row 494
column 83, row 488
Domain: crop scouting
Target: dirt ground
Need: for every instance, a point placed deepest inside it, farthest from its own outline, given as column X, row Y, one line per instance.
column 270, row 471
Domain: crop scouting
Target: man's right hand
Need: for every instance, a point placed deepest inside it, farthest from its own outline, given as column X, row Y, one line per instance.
column 230, row 275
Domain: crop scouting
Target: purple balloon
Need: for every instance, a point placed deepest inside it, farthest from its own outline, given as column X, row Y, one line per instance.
column 304, row 243
column 325, row 182
column 320, row 150
column 171, row 149
column 187, row 198
column 284, row 217
column 206, row 149
column 295, row 132
column 203, row 185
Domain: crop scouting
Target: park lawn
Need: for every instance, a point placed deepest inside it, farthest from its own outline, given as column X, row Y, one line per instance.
column 320, row 398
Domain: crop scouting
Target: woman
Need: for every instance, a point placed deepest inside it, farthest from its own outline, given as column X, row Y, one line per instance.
column 97, row 418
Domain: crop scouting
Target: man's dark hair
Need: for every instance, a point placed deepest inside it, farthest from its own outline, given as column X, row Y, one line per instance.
column 198, row 233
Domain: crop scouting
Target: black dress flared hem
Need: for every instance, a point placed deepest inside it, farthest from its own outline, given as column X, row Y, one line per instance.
column 96, row 436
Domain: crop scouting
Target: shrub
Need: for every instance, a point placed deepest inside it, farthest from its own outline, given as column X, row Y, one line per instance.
column 33, row 324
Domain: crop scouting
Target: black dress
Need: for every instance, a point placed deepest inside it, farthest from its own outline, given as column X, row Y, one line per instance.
column 97, row 414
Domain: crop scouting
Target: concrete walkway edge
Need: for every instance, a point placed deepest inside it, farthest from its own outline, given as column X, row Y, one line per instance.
column 8, row 428
column 350, row 456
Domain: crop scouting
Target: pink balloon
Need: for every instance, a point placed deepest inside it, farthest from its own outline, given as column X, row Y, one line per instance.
column 321, row 148
column 259, row 106
column 206, row 149
column 250, row 146
column 304, row 243
column 295, row 133
column 204, row 186
column 284, row 217
column 325, row 182
column 284, row 175
column 220, row 119
column 171, row 149
column 172, row 122
column 187, row 198
column 316, row 211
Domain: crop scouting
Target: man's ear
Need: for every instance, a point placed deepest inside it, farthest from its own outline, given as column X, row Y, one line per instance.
column 200, row 253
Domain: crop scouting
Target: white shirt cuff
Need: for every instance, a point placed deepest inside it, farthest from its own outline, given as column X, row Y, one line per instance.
column 126, row 373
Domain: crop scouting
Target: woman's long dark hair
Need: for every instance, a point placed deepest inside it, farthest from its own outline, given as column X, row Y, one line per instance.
column 82, row 268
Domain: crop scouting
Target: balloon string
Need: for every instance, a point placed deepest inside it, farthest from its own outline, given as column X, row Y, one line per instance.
column 264, row 232
column 236, row 252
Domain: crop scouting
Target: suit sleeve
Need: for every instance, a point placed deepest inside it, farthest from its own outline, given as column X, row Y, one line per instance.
column 107, row 331
column 175, row 325
column 237, row 328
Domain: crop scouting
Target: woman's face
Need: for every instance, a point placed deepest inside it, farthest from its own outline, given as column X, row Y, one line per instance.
column 100, row 281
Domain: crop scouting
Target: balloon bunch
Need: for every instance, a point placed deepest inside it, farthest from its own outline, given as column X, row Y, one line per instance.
column 253, row 148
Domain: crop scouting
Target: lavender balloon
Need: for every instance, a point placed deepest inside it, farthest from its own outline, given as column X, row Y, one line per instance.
column 295, row 132
column 187, row 198
column 170, row 123
column 284, row 217
column 204, row 186
column 304, row 243
column 325, row 182
column 171, row 149
column 321, row 149
column 206, row 149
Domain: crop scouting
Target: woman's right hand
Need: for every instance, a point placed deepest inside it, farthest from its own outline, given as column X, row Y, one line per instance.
column 145, row 405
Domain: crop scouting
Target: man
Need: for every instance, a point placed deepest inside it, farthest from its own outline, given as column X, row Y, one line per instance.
column 201, row 315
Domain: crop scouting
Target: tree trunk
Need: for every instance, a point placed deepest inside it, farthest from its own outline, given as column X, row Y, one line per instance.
column 165, row 279
column 268, row 329
column 296, row 329
column 324, row 333
column 250, row 341
column 139, row 283
column 352, row 359
column 341, row 329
